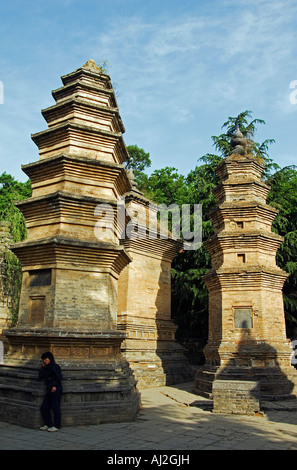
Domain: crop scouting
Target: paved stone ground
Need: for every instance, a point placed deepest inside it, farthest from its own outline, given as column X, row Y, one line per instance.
column 171, row 419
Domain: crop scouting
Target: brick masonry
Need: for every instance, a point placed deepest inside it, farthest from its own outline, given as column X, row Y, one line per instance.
column 247, row 336
column 236, row 397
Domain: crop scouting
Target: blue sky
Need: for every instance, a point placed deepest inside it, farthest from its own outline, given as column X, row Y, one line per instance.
column 179, row 68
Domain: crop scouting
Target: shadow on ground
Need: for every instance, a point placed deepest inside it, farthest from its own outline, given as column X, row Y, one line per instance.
column 165, row 422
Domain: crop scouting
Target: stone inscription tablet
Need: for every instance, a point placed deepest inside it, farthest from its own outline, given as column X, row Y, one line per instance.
column 243, row 318
column 40, row 277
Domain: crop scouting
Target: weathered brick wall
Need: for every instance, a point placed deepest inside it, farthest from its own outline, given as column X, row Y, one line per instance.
column 236, row 397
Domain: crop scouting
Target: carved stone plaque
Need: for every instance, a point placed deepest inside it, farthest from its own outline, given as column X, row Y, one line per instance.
column 40, row 277
column 243, row 318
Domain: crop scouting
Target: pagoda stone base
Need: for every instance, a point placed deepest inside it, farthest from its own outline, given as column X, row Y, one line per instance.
column 276, row 383
column 97, row 387
column 154, row 355
column 159, row 368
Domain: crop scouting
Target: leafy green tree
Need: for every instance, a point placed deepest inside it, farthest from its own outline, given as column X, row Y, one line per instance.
column 167, row 186
column 13, row 221
column 138, row 161
column 189, row 293
column 12, row 191
column 283, row 196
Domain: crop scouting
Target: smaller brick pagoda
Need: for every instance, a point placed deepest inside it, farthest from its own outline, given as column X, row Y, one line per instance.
column 144, row 307
column 247, row 335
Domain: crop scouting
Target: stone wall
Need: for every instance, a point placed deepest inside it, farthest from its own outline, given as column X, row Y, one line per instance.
column 236, row 397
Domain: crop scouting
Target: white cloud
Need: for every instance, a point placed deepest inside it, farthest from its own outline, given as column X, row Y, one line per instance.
column 228, row 56
column 178, row 76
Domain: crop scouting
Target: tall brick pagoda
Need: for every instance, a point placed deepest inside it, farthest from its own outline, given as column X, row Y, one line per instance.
column 99, row 303
column 247, row 335
column 68, row 301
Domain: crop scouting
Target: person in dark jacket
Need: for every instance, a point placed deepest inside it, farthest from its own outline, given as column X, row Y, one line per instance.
column 51, row 373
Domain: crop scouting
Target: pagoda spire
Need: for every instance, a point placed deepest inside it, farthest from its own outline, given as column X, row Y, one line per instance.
column 91, row 65
column 238, row 143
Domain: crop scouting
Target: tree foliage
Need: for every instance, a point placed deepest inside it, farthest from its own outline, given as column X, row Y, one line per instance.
column 14, row 230
column 283, row 196
column 12, row 191
column 138, row 161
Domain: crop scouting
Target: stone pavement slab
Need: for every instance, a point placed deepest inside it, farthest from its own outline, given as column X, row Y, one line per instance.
column 171, row 419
